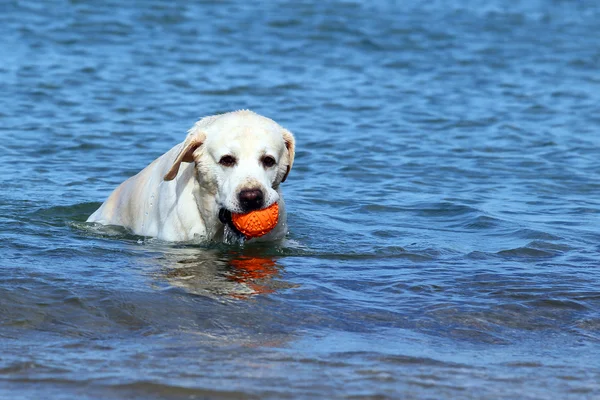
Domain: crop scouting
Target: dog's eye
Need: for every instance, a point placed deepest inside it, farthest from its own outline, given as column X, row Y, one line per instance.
column 268, row 161
column 227, row 161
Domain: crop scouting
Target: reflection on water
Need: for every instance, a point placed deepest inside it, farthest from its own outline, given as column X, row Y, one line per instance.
column 254, row 272
column 215, row 273
column 209, row 269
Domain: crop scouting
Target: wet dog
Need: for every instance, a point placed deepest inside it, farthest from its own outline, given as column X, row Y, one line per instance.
column 229, row 163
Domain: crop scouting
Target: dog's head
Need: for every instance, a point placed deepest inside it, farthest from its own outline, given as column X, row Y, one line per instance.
column 241, row 158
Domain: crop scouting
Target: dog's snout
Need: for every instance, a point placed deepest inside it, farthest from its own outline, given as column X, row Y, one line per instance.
column 251, row 199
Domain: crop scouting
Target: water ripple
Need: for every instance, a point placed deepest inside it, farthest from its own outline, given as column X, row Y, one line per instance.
column 443, row 204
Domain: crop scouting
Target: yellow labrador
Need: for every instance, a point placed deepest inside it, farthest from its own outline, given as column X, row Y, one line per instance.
column 232, row 162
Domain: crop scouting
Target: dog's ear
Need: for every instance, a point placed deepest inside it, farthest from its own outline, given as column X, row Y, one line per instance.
column 290, row 144
column 191, row 144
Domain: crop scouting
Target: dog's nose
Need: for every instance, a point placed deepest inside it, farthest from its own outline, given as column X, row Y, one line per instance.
column 251, row 199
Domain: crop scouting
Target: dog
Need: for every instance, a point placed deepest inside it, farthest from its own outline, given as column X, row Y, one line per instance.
column 228, row 163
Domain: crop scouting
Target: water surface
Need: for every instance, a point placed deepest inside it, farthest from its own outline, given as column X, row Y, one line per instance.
column 443, row 207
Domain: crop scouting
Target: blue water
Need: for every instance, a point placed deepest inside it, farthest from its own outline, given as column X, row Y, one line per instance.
column 444, row 206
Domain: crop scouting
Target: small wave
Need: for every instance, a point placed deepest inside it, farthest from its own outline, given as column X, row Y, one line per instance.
column 176, row 391
column 526, row 252
column 410, row 360
column 107, row 231
column 29, row 367
column 58, row 215
column 444, row 209
column 557, row 304
column 483, row 222
column 535, row 235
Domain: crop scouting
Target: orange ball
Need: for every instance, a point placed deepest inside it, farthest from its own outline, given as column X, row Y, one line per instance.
column 257, row 223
